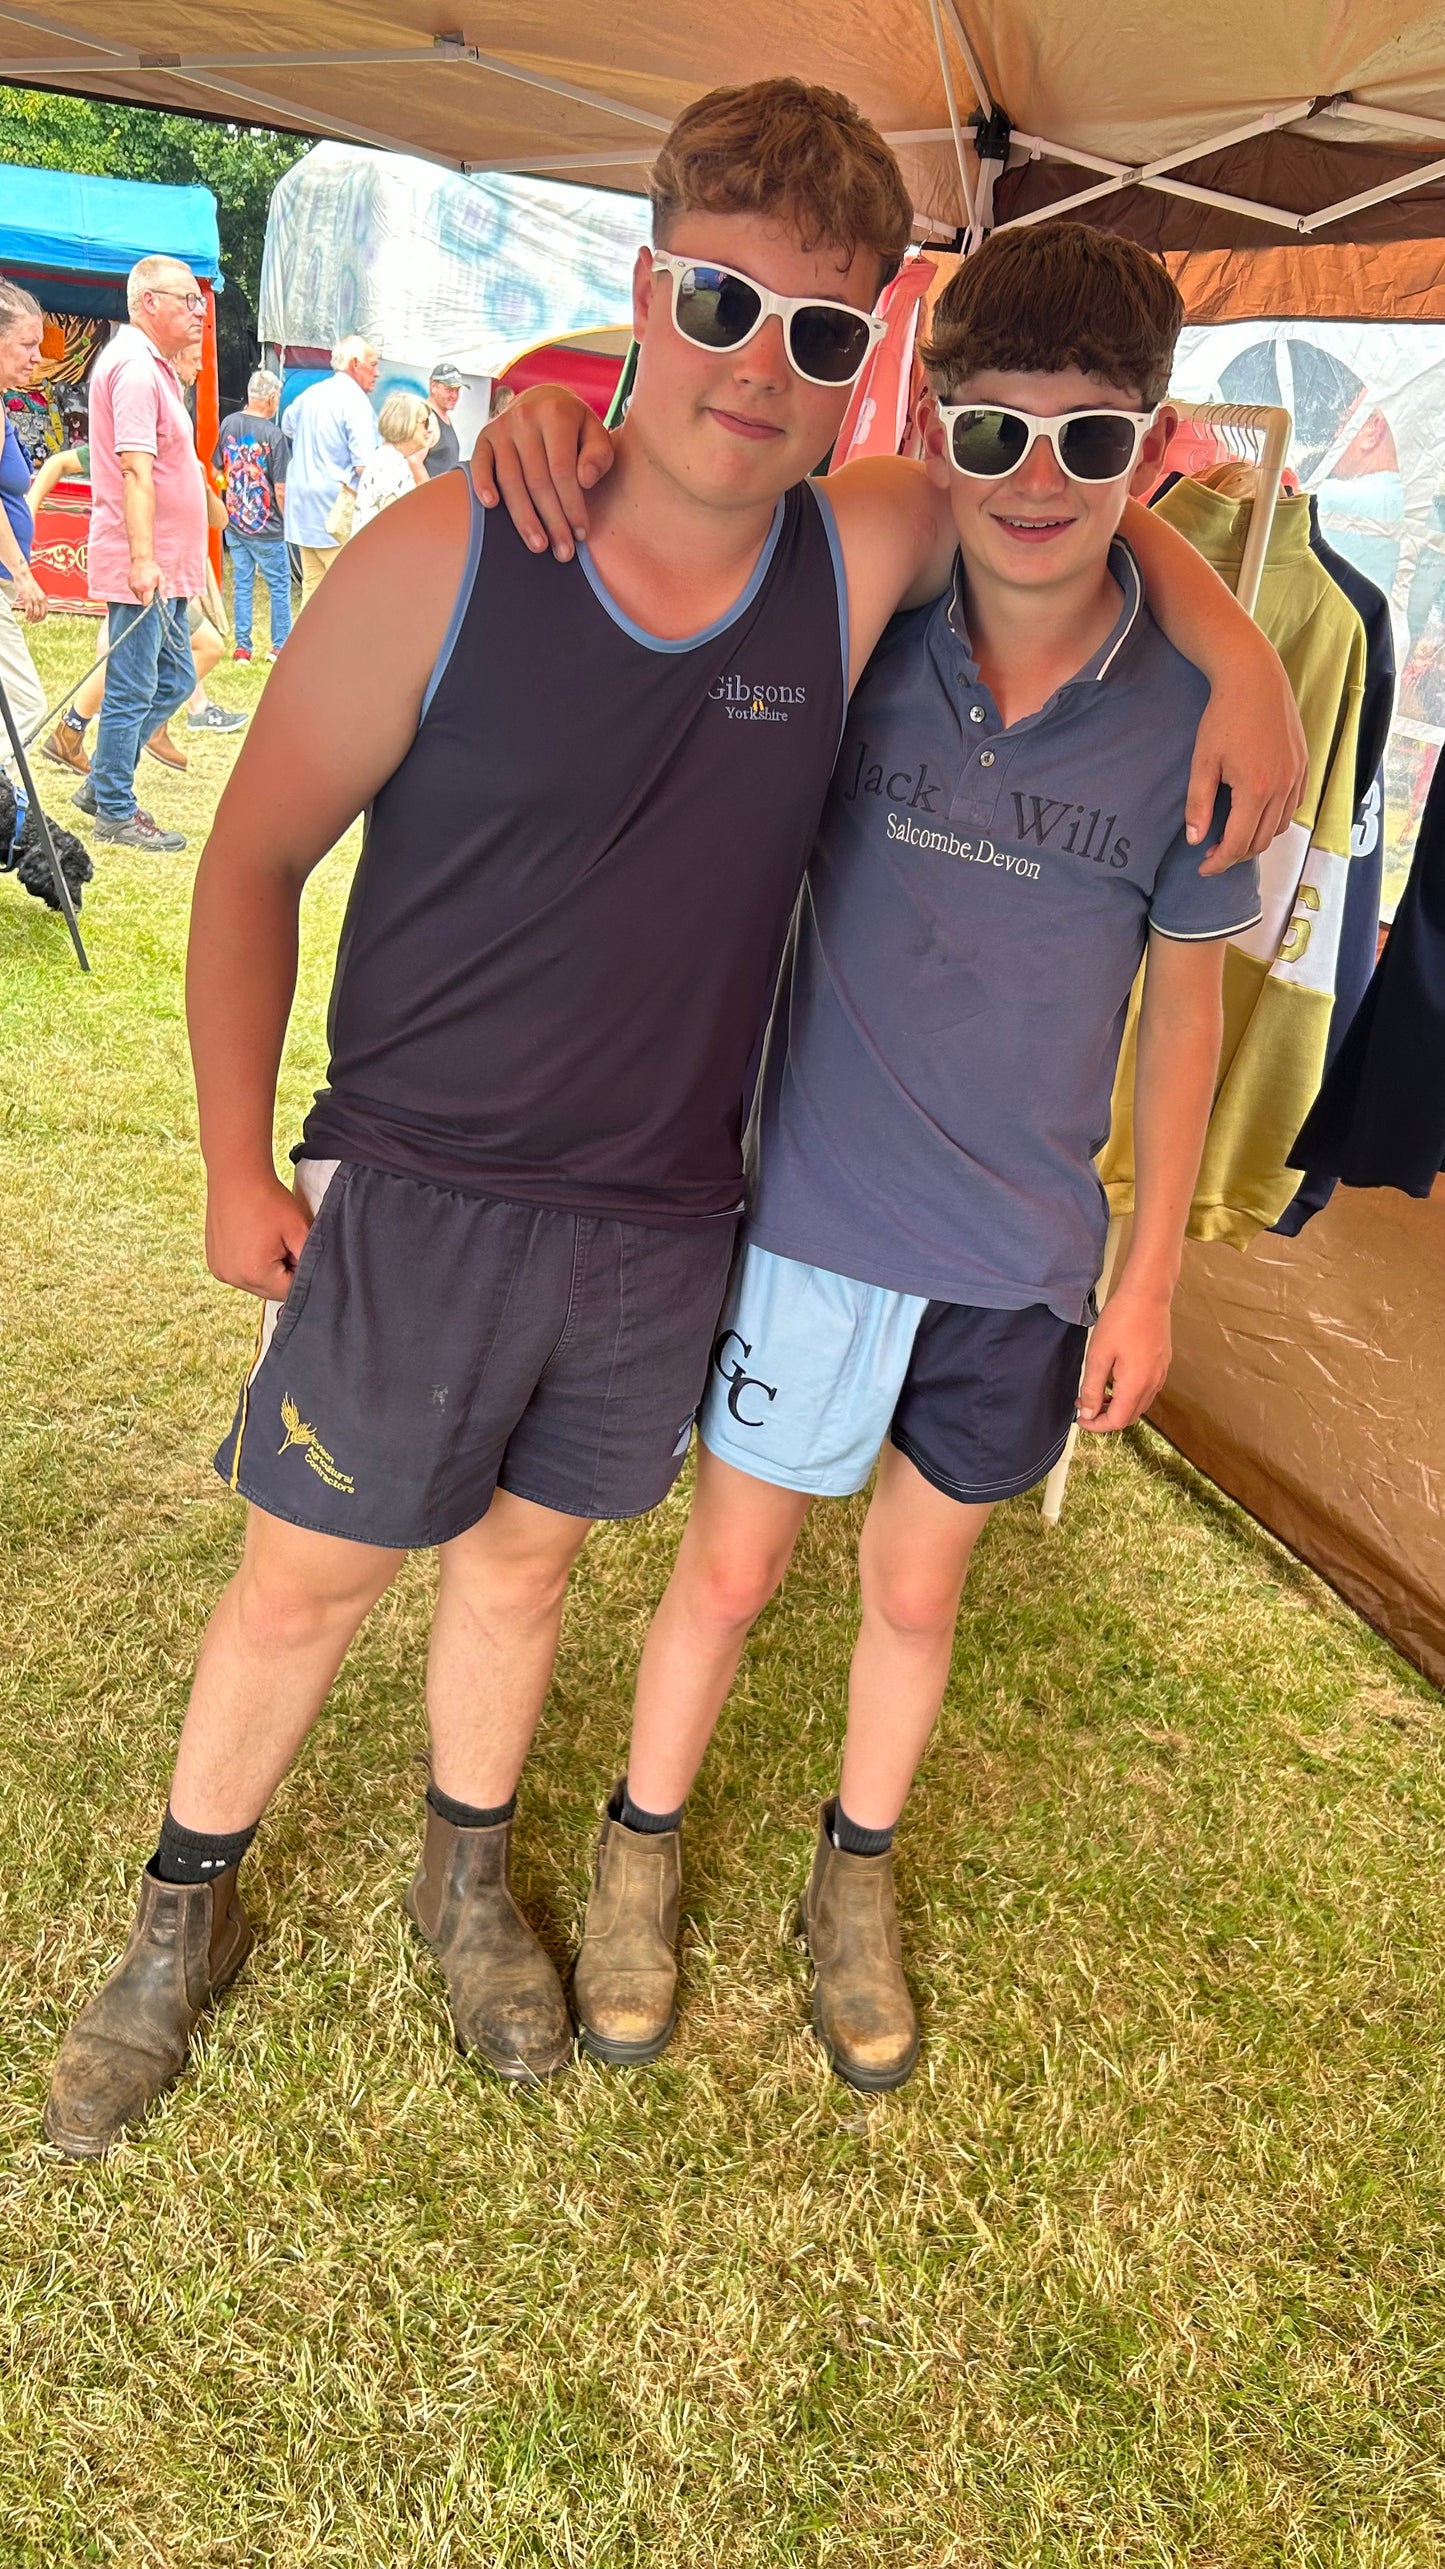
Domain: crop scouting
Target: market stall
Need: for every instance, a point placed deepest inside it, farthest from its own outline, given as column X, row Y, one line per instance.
column 73, row 241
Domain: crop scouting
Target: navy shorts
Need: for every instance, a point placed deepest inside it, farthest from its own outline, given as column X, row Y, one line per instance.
column 435, row 1347
column 812, row 1370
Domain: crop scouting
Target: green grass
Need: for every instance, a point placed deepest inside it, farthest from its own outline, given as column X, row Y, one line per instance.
column 1145, row 2267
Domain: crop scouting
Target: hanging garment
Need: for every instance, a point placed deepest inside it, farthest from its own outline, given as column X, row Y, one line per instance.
column 1379, row 1119
column 1360, row 927
column 1279, row 977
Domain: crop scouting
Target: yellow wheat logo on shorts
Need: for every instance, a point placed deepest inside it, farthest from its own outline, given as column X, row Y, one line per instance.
column 324, row 1465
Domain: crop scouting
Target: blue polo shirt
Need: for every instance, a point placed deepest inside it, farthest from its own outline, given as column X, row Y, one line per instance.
column 943, row 1048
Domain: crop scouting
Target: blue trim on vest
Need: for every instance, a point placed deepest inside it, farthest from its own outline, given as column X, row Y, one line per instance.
column 688, row 641
column 830, row 529
column 475, row 531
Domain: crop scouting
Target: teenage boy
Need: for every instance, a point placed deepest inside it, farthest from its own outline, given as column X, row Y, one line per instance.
column 592, row 790
column 1003, row 842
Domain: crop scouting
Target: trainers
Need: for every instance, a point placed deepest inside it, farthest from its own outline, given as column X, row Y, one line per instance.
column 215, row 718
column 84, row 797
column 242, row 651
column 66, row 748
column 139, row 831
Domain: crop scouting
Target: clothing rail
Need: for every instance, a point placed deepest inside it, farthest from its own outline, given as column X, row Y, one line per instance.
column 1272, row 427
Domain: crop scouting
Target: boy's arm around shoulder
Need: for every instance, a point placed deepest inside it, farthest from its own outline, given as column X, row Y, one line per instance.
column 1181, row 1023
column 338, row 714
column 543, row 455
column 897, row 541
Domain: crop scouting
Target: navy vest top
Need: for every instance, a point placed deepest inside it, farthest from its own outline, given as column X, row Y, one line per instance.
column 570, row 907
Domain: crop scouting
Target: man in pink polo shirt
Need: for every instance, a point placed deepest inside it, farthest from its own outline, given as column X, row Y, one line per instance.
column 147, row 538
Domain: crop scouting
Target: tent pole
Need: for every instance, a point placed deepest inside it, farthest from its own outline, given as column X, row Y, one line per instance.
column 72, row 35
column 954, row 119
column 42, row 824
column 1371, row 196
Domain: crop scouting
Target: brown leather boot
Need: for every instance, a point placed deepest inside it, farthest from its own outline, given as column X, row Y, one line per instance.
column 862, row 2013
column 133, row 2038
column 506, row 1998
column 625, row 1983
column 168, row 751
column 66, row 747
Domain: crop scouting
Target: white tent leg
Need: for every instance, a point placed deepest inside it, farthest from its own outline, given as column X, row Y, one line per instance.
column 1058, row 1480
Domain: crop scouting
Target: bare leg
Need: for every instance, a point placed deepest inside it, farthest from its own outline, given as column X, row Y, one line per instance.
column 736, row 1545
column 271, row 1651
column 493, row 1642
column 912, row 1563
column 207, row 648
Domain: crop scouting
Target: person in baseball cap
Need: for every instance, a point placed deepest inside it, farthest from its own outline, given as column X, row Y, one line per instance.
column 444, row 391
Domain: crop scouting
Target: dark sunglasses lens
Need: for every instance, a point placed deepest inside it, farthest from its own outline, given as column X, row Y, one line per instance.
column 714, row 309
column 1098, row 448
column 988, row 442
column 828, row 345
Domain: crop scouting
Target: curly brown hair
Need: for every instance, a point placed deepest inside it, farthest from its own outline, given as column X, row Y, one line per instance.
column 781, row 147
column 1041, row 297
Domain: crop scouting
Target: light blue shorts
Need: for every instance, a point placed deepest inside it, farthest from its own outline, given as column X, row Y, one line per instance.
column 806, row 1374
column 811, row 1371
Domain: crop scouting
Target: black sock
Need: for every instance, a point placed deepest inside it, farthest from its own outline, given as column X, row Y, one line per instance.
column 190, row 1855
column 849, row 1839
column 77, row 722
column 648, row 1824
column 466, row 1815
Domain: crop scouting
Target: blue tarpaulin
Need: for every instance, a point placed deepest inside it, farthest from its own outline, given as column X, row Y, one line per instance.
column 98, row 227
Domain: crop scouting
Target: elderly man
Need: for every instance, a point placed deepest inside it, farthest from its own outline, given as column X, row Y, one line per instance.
column 147, row 553
column 332, row 432
column 443, row 392
column 251, row 455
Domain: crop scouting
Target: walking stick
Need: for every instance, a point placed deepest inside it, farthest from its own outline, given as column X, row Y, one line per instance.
column 43, row 826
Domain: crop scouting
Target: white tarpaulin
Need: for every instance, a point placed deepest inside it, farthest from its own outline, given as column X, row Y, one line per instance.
column 431, row 266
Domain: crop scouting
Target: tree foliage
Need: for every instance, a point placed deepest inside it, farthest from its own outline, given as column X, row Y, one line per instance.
column 240, row 164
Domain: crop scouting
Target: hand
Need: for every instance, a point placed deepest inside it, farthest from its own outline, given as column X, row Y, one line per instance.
column 30, row 599
column 255, row 1232
column 1252, row 740
column 540, row 456
column 1127, row 1361
column 145, row 579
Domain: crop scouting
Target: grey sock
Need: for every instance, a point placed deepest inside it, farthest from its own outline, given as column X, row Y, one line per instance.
column 850, row 1839
column 466, row 1815
column 191, row 1855
column 648, row 1824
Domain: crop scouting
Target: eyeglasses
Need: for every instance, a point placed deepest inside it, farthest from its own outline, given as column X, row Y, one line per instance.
column 716, row 307
column 192, row 302
column 1089, row 445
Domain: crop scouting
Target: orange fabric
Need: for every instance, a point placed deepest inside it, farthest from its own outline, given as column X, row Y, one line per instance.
column 208, row 412
column 876, row 421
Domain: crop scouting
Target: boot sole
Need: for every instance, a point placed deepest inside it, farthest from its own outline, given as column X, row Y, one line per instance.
column 866, row 2082
column 625, row 2055
column 84, row 2145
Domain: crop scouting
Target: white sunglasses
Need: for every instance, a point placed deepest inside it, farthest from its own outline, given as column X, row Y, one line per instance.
column 988, row 440
column 718, row 307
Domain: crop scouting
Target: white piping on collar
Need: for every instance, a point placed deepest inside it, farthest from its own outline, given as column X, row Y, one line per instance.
column 1132, row 603
column 1131, row 613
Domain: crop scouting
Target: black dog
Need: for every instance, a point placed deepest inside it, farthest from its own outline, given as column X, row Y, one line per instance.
column 25, row 856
